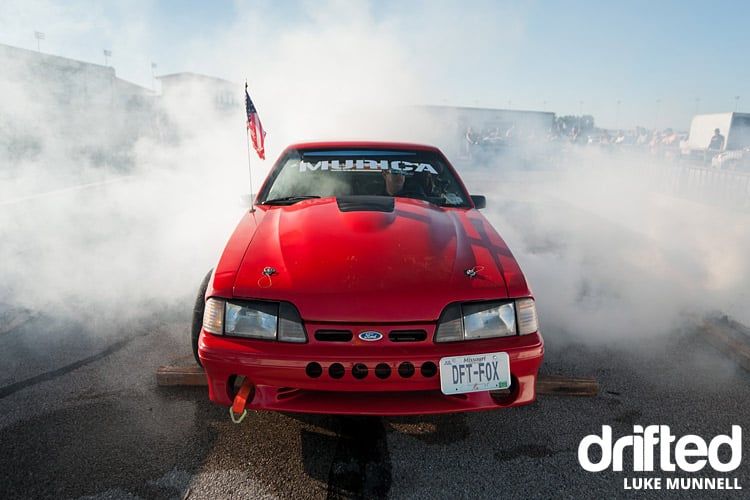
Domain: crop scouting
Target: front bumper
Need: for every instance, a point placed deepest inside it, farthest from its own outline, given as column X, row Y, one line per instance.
column 361, row 378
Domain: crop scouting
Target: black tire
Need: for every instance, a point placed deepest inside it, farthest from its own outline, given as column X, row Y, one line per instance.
column 198, row 308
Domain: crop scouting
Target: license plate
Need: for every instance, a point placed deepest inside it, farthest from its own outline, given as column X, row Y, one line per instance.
column 474, row 373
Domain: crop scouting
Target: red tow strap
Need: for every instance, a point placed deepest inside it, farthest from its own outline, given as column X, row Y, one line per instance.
column 240, row 400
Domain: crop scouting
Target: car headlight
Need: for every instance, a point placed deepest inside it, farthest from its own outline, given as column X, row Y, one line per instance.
column 254, row 319
column 483, row 320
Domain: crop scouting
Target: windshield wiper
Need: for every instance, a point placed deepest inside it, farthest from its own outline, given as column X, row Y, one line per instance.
column 288, row 200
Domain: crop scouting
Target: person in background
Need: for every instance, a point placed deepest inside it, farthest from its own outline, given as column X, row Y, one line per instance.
column 717, row 141
column 655, row 144
column 714, row 147
column 671, row 144
column 472, row 141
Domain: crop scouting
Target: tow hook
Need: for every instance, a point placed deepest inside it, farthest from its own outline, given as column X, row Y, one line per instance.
column 240, row 400
column 239, row 419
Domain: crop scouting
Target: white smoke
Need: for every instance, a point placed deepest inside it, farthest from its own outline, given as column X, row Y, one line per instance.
column 613, row 253
column 606, row 251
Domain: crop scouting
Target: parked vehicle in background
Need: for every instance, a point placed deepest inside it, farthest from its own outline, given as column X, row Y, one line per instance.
column 735, row 127
column 733, row 160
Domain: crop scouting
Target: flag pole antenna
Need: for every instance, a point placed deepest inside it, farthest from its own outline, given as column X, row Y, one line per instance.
column 255, row 133
column 249, row 162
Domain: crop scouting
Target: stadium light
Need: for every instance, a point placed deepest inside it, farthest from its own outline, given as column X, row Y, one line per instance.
column 39, row 36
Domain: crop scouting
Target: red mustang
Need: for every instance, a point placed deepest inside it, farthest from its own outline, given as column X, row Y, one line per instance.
column 365, row 281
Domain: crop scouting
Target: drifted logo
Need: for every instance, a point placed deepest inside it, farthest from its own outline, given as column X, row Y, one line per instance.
column 652, row 445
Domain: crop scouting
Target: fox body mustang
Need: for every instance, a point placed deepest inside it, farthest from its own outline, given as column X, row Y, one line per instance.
column 365, row 281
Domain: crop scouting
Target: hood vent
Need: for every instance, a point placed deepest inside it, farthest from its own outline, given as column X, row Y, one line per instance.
column 365, row 203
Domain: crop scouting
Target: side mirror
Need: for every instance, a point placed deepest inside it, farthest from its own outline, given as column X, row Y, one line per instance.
column 479, row 201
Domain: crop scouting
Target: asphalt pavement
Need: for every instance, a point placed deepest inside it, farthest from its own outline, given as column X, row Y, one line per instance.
column 100, row 427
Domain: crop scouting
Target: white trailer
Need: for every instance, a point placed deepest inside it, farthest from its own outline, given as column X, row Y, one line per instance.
column 735, row 127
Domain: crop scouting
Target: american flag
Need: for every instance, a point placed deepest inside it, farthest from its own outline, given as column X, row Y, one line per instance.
column 257, row 134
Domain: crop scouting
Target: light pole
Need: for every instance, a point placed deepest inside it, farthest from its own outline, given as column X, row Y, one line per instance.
column 617, row 115
column 39, row 36
column 580, row 115
column 107, row 54
column 736, row 102
column 656, row 118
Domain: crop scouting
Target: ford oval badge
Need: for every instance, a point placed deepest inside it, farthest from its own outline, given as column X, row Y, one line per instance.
column 370, row 335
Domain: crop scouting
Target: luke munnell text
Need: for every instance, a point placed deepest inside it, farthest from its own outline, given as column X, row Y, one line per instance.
column 681, row 483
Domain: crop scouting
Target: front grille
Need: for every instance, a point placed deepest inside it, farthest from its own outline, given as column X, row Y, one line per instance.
column 333, row 335
column 407, row 336
column 348, row 335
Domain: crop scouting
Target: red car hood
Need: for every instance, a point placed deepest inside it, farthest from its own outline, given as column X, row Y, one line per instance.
column 363, row 264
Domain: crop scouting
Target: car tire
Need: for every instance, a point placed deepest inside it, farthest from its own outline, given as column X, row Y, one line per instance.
column 198, row 308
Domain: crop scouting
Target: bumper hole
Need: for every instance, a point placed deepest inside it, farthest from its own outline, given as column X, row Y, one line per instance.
column 382, row 371
column 359, row 371
column 314, row 370
column 504, row 397
column 406, row 369
column 336, row 370
column 234, row 382
column 429, row 369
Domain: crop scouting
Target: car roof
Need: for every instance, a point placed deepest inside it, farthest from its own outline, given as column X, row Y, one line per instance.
column 361, row 144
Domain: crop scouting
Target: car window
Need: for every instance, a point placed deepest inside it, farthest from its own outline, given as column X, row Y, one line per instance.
column 358, row 172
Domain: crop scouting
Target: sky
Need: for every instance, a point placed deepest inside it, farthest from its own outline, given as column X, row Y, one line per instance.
column 637, row 62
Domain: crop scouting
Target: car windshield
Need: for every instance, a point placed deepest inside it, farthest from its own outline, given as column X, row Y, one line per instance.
column 306, row 174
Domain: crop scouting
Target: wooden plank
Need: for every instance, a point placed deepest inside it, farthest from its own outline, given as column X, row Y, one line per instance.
column 545, row 384
column 180, row 375
column 549, row 385
column 730, row 339
column 17, row 320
